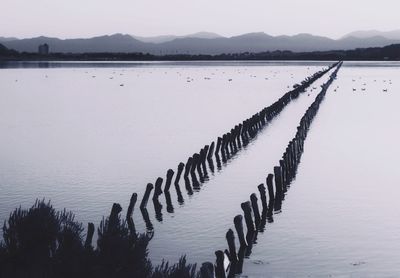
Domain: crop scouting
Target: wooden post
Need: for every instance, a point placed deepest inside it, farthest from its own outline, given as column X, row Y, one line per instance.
column 188, row 166
column 131, row 206
column 238, row 221
column 181, row 166
column 195, row 161
column 220, row 268
column 89, row 236
column 146, row 195
column 278, row 182
column 230, row 238
column 271, row 193
column 261, row 189
column 157, row 189
column 204, row 158
column 254, row 205
column 113, row 219
column 170, row 174
column 211, row 151
column 219, row 142
column 246, row 207
column 283, row 175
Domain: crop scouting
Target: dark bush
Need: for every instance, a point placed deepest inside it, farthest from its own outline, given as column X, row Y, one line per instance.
column 41, row 242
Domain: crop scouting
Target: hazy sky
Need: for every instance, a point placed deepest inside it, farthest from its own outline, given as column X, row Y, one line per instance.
column 85, row 18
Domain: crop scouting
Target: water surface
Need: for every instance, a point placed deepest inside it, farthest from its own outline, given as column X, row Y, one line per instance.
column 86, row 135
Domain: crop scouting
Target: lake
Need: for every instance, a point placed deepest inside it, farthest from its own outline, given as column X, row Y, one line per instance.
column 86, row 135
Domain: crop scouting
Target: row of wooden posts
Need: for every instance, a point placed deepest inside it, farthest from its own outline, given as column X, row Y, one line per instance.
column 255, row 222
column 225, row 147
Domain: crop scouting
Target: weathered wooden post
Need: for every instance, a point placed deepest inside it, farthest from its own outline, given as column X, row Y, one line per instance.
column 89, row 236
column 254, row 205
column 271, row 195
column 220, row 268
column 204, row 158
column 211, row 151
column 195, row 161
column 157, row 189
column 170, row 174
column 113, row 219
column 181, row 166
column 129, row 220
column 261, row 189
column 218, row 160
column 224, row 147
column 188, row 166
column 230, row 238
column 219, row 142
column 246, row 207
column 278, row 182
column 131, row 206
column 202, row 155
column 146, row 195
column 283, row 175
column 238, row 221
column 238, row 136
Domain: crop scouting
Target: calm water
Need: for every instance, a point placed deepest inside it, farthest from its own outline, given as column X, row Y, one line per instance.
column 74, row 135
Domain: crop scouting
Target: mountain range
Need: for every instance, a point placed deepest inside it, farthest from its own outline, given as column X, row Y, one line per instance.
column 205, row 43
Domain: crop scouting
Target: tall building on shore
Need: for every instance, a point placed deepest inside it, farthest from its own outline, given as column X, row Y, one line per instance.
column 43, row 49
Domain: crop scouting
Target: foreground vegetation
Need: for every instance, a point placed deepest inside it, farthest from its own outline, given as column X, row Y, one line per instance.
column 43, row 242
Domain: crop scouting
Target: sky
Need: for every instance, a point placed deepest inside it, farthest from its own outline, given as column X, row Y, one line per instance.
column 88, row 18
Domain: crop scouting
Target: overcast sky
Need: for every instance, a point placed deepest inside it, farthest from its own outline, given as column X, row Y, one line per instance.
column 86, row 18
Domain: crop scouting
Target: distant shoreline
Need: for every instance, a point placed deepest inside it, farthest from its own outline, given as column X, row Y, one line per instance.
column 387, row 53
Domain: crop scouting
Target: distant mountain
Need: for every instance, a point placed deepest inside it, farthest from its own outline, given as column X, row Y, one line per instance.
column 113, row 43
column 200, row 43
column 5, row 39
column 167, row 38
column 391, row 35
column 259, row 42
